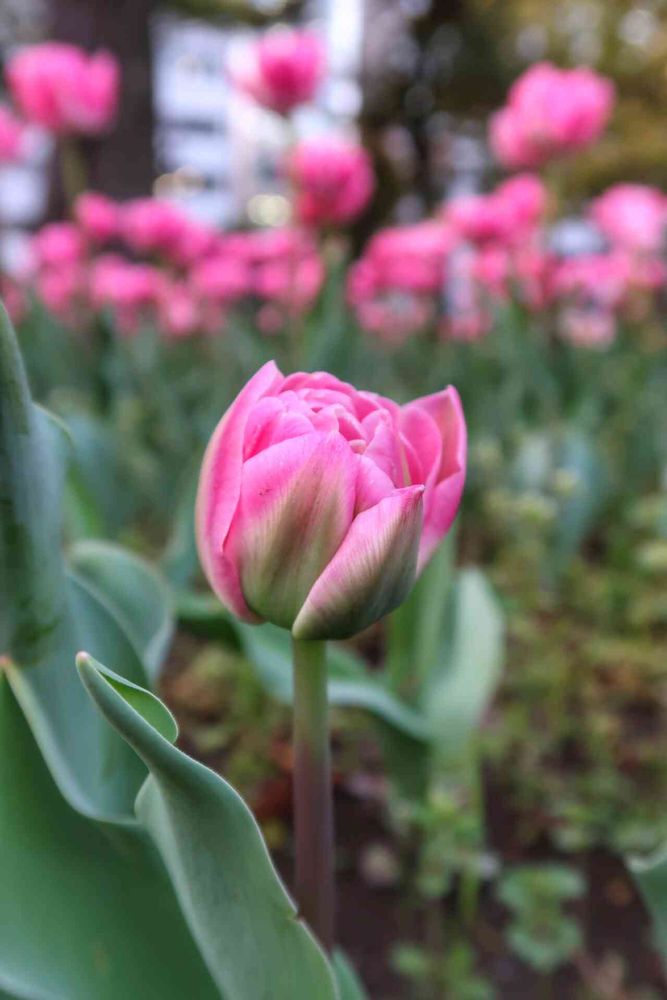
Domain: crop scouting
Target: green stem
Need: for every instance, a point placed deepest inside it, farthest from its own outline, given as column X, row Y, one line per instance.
column 313, row 800
column 73, row 171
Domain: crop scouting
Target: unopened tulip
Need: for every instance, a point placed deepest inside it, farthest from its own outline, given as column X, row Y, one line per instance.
column 318, row 504
column 283, row 70
column 333, row 179
column 64, row 89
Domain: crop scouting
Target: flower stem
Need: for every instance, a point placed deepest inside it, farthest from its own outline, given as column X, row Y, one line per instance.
column 313, row 800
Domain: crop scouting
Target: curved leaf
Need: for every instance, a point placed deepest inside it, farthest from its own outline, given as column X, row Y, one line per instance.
column 650, row 874
column 238, row 911
column 457, row 697
column 138, row 597
column 31, row 476
column 86, row 908
column 94, row 769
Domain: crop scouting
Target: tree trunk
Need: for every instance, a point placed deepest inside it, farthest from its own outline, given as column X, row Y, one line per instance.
column 119, row 164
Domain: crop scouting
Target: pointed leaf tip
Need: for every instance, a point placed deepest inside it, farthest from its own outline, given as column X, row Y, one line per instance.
column 97, row 679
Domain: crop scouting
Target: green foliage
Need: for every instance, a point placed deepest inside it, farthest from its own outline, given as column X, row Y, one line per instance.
column 539, row 931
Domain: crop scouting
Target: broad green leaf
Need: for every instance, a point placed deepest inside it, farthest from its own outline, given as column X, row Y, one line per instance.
column 457, row 697
column 349, row 984
column 93, row 768
column 99, row 497
column 180, row 562
column 47, row 616
column 86, row 908
column 238, row 911
column 650, row 874
column 31, row 473
column 417, row 630
column 580, row 461
column 138, row 597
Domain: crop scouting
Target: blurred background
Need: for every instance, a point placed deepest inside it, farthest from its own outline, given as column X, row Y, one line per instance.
column 417, row 78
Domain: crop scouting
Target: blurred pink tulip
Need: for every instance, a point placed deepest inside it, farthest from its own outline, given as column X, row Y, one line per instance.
column 221, row 278
column 58, row 244
column 507, row 215
column 550, row 112
column 151, row 226
column 11, row 136
column 97, row 216
column 179, row 314
column 633, row 216
column 283, row 70
column 333, row 179
column 64, row 89
column 318, row 504
column 62, row 289
column 131, row 291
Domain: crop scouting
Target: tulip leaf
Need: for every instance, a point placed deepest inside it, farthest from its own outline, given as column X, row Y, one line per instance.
column 136, row 594
column 650, row 874
column 86, row 908
column 238, row 911
column 47, row 615
column 349, row 984
column 31, row 476
column 458, row 696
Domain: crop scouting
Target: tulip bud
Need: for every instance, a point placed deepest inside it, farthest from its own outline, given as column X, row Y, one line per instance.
column 318, row 504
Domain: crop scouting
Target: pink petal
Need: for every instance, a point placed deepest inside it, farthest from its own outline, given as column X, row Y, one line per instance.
column 371, row 573
column 421, row 433
column 442, row 499
column 295, row 508
column 220, row 487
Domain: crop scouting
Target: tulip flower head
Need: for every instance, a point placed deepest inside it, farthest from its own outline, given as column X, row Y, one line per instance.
column 284, row 70
column 63, row 89
column 333, row 179
column 632, row 216
column 97, row 216
column 550, row 112
column 318, row 504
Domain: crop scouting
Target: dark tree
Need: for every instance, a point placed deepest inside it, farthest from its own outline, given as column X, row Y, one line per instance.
column 120, row 164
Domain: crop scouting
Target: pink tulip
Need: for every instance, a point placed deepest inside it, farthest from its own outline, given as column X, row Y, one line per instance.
column 11, row 136
column 61, row 289
column 318, row 504
column 507, row 215
column 550, row 112
column 179, row 313
column 151, row 226
column 131, row 291
column 333, row 179
column 633, row 216
column 220, row 279
column 97, row 216
column 283, row 70
column 63, row 89
column 58, row 244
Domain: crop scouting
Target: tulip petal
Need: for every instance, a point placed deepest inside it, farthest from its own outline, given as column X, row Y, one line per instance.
column 220, row 487
column 371, row 573
column 443, row 498
column 295, row 508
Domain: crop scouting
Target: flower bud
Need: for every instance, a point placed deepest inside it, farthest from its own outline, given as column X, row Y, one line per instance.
column 319, row 504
